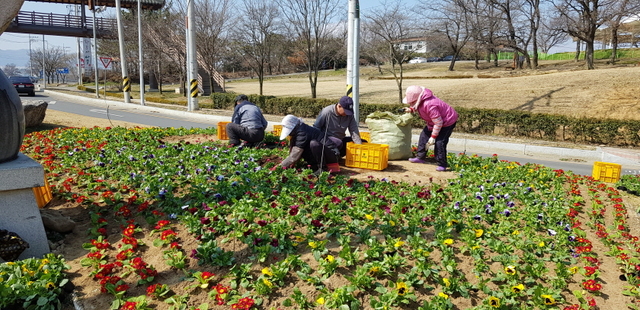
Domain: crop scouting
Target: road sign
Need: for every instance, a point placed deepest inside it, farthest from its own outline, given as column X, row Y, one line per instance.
column 63, row 70
column 105, row 62
column 81, row 62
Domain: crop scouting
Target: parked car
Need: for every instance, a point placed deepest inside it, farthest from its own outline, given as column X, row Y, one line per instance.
column 418, row 60
column 449, row 58
column 433, row 59
column 23, row 84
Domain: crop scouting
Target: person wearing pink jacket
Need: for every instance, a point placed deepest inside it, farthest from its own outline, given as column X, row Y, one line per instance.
column 441, row 119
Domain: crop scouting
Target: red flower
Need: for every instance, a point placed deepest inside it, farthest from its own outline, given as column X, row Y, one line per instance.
column 592, row 285
column 168, row 235
column 129, row 305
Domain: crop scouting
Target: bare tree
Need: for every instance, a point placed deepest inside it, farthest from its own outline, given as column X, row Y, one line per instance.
column 452, row 18
column 622, row 11
column 391, row 25
column 550, row 33
column 54, row 58
column 11, row 69
column 257, row 33
column 582, row 18
column 213, row 21
column 517, row 34
column 312, row 23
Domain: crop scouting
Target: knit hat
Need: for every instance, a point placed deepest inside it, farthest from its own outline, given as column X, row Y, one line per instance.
column 412, row 95
column 347, row 104
column 289, row 123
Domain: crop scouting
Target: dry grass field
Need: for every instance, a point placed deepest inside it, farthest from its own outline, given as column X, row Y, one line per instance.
column 557, row 87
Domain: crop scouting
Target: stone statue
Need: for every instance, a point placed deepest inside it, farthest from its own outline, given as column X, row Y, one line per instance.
column 11, row 111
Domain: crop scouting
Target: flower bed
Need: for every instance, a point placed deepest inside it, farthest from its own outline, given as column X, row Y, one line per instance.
column 231, row 234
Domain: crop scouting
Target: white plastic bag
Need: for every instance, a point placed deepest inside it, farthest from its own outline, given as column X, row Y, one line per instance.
column 393, row 130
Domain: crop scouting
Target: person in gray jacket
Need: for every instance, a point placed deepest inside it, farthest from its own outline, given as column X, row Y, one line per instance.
column 247, row 123
column 335, row 120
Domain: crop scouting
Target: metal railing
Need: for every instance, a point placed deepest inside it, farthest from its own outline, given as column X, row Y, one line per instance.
column 63, row 20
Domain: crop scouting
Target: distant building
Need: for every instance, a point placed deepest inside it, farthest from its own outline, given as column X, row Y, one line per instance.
column 413, row 44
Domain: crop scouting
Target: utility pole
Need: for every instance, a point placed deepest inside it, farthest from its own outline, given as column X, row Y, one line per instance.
column 353, row 56
column 30, row 60
column 126, row 83
column 192, row 66
column 79, row 55
column 95, row 52
column 140, row 53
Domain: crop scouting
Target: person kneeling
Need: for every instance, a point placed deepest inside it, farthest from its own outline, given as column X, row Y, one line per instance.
column 310, row 144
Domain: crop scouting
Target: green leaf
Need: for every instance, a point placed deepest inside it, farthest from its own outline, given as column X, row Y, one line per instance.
column 42, row 301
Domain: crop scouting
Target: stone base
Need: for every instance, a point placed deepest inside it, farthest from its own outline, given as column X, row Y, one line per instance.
column 19, row 211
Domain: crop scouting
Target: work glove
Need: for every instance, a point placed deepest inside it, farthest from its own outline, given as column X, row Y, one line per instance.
column 432, row 141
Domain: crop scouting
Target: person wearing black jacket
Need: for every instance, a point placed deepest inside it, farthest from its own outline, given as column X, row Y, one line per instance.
column 309, row 143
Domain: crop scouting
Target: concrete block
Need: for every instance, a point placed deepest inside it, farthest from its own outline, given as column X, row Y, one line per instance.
column 19, row 211
column 23, row 172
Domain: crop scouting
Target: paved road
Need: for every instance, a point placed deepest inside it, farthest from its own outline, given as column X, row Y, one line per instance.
column 126, row 114
column 133, row 113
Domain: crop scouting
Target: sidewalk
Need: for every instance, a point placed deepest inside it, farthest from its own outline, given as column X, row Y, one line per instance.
column 459, row 142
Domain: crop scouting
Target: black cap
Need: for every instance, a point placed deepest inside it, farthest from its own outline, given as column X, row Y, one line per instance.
column 242, row 98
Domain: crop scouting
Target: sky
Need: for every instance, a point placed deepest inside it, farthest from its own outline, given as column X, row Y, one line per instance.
column 17, row 41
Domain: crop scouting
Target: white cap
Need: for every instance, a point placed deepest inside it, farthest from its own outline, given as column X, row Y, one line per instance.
column 289, row 122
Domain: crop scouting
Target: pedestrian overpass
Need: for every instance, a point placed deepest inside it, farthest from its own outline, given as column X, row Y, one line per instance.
column 75, row 25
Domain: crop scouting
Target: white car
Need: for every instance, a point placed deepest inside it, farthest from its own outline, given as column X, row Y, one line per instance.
column 418, row 60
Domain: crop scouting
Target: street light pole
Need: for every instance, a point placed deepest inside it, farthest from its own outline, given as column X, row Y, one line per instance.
column 44, row 74
column 126, row 83
column 140, row 53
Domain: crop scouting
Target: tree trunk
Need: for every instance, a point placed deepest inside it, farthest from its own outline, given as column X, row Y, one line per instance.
column 589, row 55
column 614, row 44
column 576, row 58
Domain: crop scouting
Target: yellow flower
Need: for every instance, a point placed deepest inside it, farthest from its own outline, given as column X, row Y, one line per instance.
column 398, row 243
column 267, row 282
column 44, row 261
column 299, row 238
column 515, row 232
column 330, row 258
column 452, row 222
column 517, row 288
column 478, row 232
column 50, row 285
column 494, row 302
column 573, row 269
column 320, row 301
column 392, row 223
column 541, row 244
column 446, row 281
column 267, row 271
column 312, row 244
column 402, row 288
column 475, row 247
column 548, row 300
column 510, row 270
column 443, row 295
column 368, row 217
column 374, row 270
column 448, row 242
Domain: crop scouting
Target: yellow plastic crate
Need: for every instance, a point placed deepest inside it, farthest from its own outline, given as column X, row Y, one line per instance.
column 43, row 194
column 606, row 172
column 365, row 136
column 222, row 131
column 277, row 129
column 367, row 156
